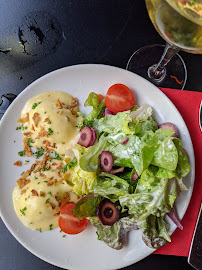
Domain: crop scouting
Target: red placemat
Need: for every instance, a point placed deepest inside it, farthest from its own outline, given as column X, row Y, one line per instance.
column 187, row 103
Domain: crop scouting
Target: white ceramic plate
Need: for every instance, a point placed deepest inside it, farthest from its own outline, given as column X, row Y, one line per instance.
column 82, row 251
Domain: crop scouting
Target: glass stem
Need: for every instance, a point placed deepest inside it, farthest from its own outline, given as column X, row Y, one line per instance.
column 157, row 72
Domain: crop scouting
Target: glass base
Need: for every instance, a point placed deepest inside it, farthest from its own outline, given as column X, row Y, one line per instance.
column 175, row 73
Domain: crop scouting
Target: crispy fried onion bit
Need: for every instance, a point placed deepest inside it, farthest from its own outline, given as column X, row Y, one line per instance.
column 27, row 149
column 36, row 118
column 18, row 163
column 22, row 181
column 24, row 120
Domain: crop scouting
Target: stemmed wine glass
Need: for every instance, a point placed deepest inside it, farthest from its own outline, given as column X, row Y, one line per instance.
column 179, row 22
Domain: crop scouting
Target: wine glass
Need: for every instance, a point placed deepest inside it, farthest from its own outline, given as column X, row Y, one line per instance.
column 179, row 22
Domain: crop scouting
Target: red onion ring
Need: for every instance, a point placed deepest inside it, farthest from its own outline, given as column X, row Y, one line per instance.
column 125, row 141
column 172, row 215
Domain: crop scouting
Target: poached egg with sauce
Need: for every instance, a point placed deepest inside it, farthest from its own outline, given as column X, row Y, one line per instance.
column 49, row 122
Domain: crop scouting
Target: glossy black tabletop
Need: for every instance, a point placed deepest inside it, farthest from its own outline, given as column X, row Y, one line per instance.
column 37, row 37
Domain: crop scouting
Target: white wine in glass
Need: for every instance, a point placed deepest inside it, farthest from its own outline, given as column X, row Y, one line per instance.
column 179, row 22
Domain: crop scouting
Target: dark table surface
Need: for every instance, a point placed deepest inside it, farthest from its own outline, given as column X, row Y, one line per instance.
column 37, row 37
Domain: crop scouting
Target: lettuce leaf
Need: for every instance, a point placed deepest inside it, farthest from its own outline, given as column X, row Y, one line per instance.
column 164, row 173
column 139, row 121
column 155, row 232
column 149, row 124
column 83, row 181
column 129, row 127
column 166, row 156
column 127, row 175
column 118, row 151
column 141, row 153
column 141, row 114
column 114, row 236
column 86, row 206
column 90, row 161
column 110, row 186
column 123, row 162
column 127, row 122
column 163, row 133
column 183, row 166
column 98, row 108
column 92, row 100
column 181, row 184
column 112, row 124
column 153, row 195
column 137, row 153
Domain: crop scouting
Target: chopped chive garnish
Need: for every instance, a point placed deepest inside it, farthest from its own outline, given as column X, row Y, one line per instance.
column 29, row 141
column 69, row 165
column 50, row 131
column 21, row 127
column 21, row 153
column 57, row 156
column 35, row 105
column 45, row 169
column 39, row 152
column 48, row 200
column 23, row 210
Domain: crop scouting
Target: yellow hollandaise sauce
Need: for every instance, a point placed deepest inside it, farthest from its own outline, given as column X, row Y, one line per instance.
column 53, row 117
column 38, row 207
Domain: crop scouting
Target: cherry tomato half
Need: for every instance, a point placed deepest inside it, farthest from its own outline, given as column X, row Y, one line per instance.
column 69, row 223
column 119, row 98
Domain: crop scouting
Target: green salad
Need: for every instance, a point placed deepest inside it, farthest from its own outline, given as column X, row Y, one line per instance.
column 129, row 170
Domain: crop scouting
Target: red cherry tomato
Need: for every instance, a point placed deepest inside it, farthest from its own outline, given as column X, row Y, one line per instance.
column 69, row 223
column 119, row 98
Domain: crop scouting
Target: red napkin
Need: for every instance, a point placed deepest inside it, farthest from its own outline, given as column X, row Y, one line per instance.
column 187, row 103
